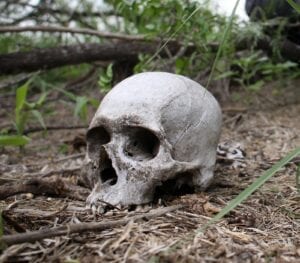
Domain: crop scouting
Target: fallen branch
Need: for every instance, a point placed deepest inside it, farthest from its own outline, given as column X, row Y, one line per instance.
column 81, row 227
column 47, row 58
column 39, row 186
column 61, row 29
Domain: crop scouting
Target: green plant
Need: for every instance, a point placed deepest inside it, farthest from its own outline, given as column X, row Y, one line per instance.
column 81, row 103
column 253, row 70
column 24, row 112
column 294, row 5
column 222, row 43
column 63, row 148
column 248, row 69
column 13, row 140
column 25, row 109
column 105, row 79
column 187, row 22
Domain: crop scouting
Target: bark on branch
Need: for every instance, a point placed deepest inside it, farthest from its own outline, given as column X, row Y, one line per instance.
column 48, row 58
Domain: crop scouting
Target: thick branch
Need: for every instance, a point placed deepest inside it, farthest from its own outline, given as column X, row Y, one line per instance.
column 81, row 227
column 48, row 58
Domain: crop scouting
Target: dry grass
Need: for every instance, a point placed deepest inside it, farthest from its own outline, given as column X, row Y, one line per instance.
column 265, row 228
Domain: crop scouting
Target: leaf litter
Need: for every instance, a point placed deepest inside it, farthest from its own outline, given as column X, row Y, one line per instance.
column 265, row 227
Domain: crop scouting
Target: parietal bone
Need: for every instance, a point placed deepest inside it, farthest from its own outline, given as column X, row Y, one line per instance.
column 150, row 128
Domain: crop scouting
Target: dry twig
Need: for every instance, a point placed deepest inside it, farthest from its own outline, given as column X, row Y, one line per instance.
column 57, row 187
column 81, row 228
column 61, row 29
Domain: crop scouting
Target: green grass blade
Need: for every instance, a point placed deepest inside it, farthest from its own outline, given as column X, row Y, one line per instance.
column 21, row 95
column 13, row 140
column 250, row 189
column 41, row 99
column 294, row 5
column 68, row 94
column 224, row 38
column 173, row 35
column 39, row 118
column 81, row 107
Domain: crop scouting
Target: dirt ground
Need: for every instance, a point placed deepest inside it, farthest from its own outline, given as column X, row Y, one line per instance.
column 265, row 228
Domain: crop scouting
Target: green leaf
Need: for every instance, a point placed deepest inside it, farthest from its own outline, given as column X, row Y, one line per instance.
column 180, row 65
column 39, row 117
column 294, row 5
column 105, row 79
column 223, row 42
column 256, row 86
column 20, row 115
column 252, row 188
column 109, row 71
column 41, row 99
column 13, row 140
column 21, row 119
column 94, row 102
column 70, row 95
column 81, row 107
column 21, row 96
column 225, row 74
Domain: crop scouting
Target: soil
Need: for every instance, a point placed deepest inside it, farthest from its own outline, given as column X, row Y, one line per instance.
column 264, row 228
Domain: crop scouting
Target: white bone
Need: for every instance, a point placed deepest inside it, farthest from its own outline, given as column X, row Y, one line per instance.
column 150, row 128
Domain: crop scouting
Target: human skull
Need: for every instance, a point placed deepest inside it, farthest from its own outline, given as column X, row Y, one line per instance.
column 150, row 128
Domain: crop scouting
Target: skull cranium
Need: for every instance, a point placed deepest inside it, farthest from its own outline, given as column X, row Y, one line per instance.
column 150, row 128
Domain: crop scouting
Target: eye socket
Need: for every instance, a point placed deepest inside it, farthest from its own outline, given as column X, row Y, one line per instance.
column 142, row 144
column 96, row 137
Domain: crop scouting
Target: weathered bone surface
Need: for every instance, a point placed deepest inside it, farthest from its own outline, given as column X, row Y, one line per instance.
column 150, row 128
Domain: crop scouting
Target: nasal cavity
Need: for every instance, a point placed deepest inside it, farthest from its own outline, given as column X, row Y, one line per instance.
column 107, row 172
